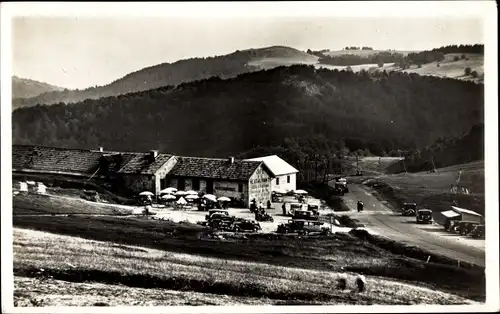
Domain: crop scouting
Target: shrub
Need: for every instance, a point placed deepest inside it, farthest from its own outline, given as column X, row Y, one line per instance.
column 467, row 71
column 456, row 58
column 474, row 74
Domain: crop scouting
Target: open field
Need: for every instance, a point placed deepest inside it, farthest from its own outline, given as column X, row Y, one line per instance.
column 432, row 190
column 372, row 165
column 73, row 259
column 363, row 53
column 450, row 68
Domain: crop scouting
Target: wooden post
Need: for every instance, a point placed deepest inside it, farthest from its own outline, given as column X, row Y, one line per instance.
column 428, row 258
column 404, row 165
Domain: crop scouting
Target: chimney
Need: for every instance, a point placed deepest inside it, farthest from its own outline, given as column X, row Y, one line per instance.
column 101, row 149
column 153, row 154
column 231, row 159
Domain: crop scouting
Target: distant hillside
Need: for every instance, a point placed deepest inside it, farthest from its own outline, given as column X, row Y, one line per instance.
column 298, row 112
column 165, row 74
column 26, row 88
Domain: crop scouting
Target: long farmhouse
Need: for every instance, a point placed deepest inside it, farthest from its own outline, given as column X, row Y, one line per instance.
column 135, row 172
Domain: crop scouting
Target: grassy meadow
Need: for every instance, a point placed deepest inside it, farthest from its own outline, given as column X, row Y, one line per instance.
column 57, row 258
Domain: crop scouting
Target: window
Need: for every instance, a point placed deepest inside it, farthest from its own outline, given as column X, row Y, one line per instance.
column 277, row 181
column 240, row 187
column 287, row 179
column 196, row 184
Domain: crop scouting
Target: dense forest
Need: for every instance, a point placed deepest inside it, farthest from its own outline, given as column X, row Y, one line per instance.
column 447, row 151
column 477, row 48
column 300, row 112
column 165, row 74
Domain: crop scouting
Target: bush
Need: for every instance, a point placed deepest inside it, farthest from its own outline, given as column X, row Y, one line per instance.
column 419, row 65
column 456, row 58
column 462, row 57
column 474, row 74
column 467, row 71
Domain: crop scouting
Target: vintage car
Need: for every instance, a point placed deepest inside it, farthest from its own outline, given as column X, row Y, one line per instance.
column 216, row 211
column 409, row 209
column 302, row 227
column 424, row 216
column 243, row 225
column 294, row 207
column 305, row 214
column 465, row 227
column 261, row 215
column 313, row 207
column 477, row 232
column 453, row 226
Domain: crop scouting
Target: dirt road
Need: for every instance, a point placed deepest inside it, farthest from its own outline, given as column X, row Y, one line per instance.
column 380, row 219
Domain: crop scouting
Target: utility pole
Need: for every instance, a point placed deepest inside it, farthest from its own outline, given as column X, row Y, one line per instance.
column 433, row 165
column 404, row 165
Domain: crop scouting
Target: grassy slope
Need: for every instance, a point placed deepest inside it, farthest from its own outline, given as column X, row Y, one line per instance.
column 326, row 253
column 452, row 69
column 73, row 259
column 25, row 88
column 432, row 190
column 363, row 53
column 33, row 204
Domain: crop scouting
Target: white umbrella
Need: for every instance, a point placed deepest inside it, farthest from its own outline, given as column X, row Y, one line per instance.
column 191, row 197
column 168, row 197
column 224, row 199
column 300, row 192
column 191, row 192
column 146, row 193
column 210, row 197
column 181, row 201
column 180, row 193
column 168, row 191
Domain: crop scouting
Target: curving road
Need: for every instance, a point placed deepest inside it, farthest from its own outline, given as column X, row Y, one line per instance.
column 380, row 219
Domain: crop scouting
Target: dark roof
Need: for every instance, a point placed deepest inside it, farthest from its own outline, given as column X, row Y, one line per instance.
column 82, row 161
column 142, row 163
column 240, row 170
column 54, row 159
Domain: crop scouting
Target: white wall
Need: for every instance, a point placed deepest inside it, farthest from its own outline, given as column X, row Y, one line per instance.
column 283, row 185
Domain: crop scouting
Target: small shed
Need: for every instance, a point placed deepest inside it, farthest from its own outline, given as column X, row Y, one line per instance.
column 445, row 216
column 468, row 215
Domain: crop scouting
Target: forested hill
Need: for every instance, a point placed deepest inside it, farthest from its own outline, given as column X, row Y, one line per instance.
column 26, row 88
column 165, row 74
column 298, row 110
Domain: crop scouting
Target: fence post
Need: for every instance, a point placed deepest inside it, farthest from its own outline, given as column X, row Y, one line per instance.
column 428, row 258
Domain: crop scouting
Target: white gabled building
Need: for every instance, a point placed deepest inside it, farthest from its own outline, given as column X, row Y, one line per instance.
column 285, row 175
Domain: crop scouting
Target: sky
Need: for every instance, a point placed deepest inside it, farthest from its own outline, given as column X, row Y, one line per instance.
column 80, row 52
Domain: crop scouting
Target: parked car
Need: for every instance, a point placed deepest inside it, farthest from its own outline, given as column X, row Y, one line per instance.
column 243, row 225
column 424, row 216
column 409, row 209
column 216, row 211
column 305, row 214
column 477, row 232
column 313, row 208
column 261, row 215
column 453, row 226
column 465, row 227
column 294, row 207
column 302, row 227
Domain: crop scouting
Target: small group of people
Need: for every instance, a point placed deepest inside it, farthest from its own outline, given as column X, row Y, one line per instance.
column 254, row 207
column 360, row 206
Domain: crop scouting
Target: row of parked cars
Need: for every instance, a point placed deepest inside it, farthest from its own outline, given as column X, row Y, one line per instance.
column 220, row 219
column 466, row 228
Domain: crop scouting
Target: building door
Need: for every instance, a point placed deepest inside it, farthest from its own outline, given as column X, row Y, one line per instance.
column 210, row 186
column 181, row 184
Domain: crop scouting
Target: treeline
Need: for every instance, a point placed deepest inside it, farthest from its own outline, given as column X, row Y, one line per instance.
column 477, row 48
column 420, row 58
column 307, row 114
column 351, row 59
column 358, row 48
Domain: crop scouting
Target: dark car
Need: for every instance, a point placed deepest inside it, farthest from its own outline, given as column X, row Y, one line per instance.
column 424, row 216
column 409, row 209
column 305, row 214
column 453, row 226
column 478, row 232
column 302, row 226
column 216, row 211
column 465, row 227
column 243, row 225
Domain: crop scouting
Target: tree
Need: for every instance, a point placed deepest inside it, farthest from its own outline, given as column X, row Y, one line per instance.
column 456, row 58
column 467, row 71
column 474, row 73
column 380, row 64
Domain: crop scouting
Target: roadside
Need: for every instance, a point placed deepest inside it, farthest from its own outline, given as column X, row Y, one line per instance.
column 380, row 219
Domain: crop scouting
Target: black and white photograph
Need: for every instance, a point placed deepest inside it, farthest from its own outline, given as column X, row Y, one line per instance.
column 270, row 157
